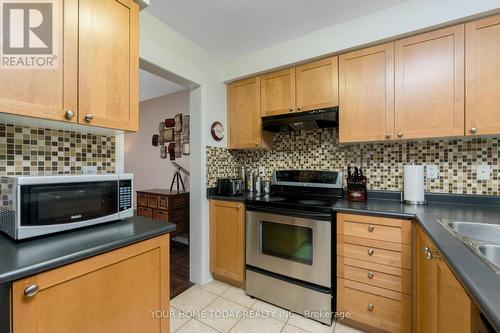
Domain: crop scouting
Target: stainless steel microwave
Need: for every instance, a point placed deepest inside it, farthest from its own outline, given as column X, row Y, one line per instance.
column 39, row 205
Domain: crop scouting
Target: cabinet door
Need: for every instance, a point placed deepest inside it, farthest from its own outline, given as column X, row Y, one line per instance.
column 244, row 117
column 109, row 63
column 442, row 303
column 278, row 92
column 429, row 86
column 47, row 93
column 317, row 85
column 366, row 85
column 227, row 241
column 483, row 76
column 112, row 292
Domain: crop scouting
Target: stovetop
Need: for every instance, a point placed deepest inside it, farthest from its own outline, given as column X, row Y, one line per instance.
column 301, row 191
column 306, row 203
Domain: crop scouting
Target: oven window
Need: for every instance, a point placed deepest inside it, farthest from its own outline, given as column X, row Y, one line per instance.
column 67, row 203
column 286, row 241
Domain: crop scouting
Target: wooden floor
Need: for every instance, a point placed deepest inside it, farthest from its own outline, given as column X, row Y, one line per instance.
column 179, row 268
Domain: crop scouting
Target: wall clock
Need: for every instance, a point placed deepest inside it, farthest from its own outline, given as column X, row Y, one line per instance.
column 217, row 131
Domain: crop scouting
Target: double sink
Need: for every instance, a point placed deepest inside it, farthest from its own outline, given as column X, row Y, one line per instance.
column 482, row 238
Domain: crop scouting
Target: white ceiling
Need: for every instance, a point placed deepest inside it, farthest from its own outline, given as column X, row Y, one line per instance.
column 151, row 86
column 230, row 28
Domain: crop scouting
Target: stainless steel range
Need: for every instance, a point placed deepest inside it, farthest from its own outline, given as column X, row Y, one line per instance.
column 289, row 252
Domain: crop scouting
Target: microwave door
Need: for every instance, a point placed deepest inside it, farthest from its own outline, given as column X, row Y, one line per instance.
column 49, row 204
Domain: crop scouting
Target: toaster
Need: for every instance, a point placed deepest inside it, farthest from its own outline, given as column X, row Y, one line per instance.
column 230, row 186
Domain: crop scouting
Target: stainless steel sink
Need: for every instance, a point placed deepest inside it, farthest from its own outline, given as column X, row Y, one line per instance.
column 480, row 231
column 490, row 252
column 482, row 238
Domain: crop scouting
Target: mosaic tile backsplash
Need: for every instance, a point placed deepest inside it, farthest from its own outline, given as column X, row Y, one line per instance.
column 40, row 151
column 457, row 160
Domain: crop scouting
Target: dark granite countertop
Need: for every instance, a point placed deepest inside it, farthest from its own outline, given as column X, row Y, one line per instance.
column 481, row 282
column 19, row 259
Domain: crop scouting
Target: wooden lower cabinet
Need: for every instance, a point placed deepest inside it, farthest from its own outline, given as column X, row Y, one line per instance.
column 374, row 272
column 112, row 292
column 227, row 241
column 442, row 303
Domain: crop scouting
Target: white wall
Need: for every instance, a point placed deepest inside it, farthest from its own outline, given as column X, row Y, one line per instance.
column 141, row 157
column 408, row 17
column 168, row 50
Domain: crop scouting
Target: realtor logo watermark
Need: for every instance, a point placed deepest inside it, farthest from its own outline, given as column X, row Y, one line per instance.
column 29, row 34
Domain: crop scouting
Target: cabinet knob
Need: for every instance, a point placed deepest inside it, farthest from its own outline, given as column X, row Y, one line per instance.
column 239, row 206
column 370, row 275
column 387, row 136
column 290, row 109
column 371, row 307
column 257, row 144
column 69, row 114
column 371, row 252
column 31, row 290
column 89, row 117
column 371, row 228
column 299, row 108
column 473, row 130
column 400, row 134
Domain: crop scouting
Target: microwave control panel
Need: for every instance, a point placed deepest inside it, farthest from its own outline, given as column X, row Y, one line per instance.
column 125, row 194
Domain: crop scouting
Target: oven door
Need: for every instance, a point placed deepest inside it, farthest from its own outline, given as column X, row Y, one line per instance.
column 295, row 247
column 53, row 207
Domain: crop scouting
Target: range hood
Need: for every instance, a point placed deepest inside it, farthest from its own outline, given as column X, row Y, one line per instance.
column 299, row 121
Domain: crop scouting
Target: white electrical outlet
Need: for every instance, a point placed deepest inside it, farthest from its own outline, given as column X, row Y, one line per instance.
column 89, row 170
column 483, row 172
column 262, row 170
column 432, row 171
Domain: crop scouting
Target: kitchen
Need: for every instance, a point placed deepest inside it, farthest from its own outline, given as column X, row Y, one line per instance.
column 343, row 172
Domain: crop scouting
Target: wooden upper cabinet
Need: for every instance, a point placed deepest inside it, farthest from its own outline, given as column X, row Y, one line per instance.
column 278, row 92
column 227, row 241
column 244, row 115
column 429, row 84
column 366, row 88
column 483, row 76
column 317, row 84
column 442, row 303
column 109, row 63
column 47, row 92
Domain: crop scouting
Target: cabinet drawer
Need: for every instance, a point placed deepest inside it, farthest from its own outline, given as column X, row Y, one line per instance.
column 160, row 215
column 388, row 277
column 142, row 199
column 373, row 254
column 373, row 231
column 384, row 313
column 372, row 227
column 374, row 251
column 152, row 201
column 162, row 202
column 146, row 212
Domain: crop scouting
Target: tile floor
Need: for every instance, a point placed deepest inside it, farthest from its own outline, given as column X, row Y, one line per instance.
column 220, row 308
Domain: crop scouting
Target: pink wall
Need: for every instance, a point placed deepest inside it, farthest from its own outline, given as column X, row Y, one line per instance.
column 141, row 158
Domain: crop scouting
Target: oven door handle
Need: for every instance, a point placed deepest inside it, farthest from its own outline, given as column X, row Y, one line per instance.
column 305, row 215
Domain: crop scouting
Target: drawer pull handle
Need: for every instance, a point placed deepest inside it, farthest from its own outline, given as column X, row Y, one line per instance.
column 370, row 275
column 371, row 307
column 31, row 290
column 371, row 252
column 371, row 228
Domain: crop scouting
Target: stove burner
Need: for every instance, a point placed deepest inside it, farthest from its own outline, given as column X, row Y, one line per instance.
column 313, row 202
